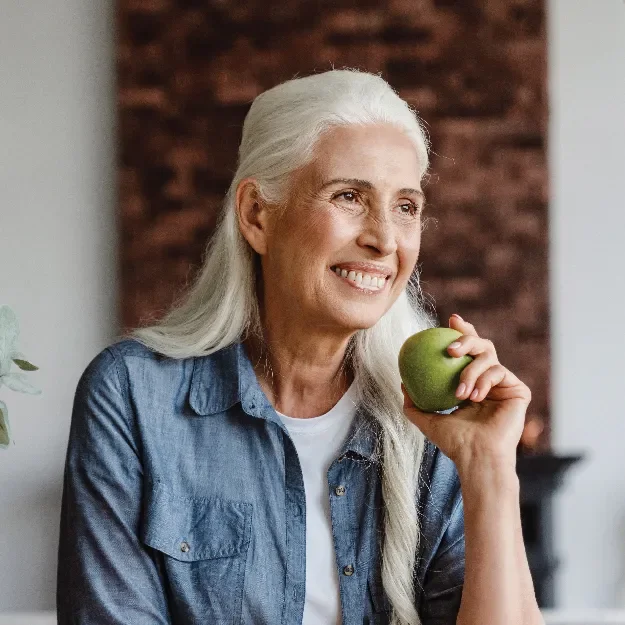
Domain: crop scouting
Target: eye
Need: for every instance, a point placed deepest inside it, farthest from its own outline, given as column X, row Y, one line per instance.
column 410, row 209
column 350, row 196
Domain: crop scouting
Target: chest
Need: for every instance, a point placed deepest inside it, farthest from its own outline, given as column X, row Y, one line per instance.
column 224, row 516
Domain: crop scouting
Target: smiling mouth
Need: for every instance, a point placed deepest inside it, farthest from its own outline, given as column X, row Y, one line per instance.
column 361, row 281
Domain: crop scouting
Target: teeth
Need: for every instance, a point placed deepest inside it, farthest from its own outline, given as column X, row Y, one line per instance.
column 363, row 280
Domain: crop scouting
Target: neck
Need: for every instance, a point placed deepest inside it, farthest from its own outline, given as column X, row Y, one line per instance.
column 301, row 373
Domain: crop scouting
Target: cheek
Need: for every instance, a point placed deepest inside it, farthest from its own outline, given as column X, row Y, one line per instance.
column 304, row 257
column 296, row 241
column 408, row 252
column 326, row 234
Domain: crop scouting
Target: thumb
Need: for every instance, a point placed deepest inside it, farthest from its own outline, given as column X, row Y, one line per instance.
column 421, row 419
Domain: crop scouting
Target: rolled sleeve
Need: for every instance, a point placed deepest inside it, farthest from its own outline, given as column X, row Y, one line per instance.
column 105, row 575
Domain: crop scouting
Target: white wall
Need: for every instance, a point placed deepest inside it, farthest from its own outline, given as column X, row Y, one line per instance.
column 587, row 162
column 57, row 256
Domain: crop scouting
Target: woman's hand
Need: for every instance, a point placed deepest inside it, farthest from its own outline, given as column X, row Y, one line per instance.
column 491, row 425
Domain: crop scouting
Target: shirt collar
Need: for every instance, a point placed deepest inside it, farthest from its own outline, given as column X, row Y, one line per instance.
column 226, row 377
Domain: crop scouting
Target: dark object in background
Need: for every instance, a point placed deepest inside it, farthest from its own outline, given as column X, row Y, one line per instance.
column 540, row 476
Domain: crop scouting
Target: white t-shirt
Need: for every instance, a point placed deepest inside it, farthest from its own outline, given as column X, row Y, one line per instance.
column 318, row 441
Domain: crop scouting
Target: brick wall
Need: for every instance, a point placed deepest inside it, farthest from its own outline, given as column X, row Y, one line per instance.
column 475, row 70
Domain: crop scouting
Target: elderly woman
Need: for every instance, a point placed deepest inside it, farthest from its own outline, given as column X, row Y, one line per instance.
column 253, row 458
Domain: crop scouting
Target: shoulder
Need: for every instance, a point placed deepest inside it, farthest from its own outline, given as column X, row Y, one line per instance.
column 128, row 350
column 128, row 387
column 117, row 353
column 127, row 364
column 129, row 347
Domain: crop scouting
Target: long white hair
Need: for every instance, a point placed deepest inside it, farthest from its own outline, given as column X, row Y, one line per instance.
column 280, row 132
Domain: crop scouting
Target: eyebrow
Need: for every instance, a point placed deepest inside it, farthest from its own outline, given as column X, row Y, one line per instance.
column 365, row 184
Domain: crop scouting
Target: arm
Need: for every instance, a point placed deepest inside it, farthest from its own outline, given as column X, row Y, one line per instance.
column 496, row 564
column 105, row 576
column 481, row 436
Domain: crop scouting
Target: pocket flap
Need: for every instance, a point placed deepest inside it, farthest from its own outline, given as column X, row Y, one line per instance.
column 195, row 528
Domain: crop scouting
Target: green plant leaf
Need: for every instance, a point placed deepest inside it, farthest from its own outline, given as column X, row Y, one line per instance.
column 9, row 331
column 17, row 382
column 25, row 365
column 5, row 432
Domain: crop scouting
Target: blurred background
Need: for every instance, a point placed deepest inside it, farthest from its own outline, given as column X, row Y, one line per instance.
column 119, row 127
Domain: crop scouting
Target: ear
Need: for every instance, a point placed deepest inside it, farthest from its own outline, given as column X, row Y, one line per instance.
column 252, row 214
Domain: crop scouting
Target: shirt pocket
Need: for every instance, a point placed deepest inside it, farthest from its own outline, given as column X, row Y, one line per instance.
column 202, row 543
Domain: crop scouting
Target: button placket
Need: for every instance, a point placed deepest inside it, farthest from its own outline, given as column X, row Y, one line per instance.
column 295, row 590
column 351, row 546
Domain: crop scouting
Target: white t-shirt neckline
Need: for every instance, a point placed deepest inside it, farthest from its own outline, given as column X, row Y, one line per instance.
column 313, row 425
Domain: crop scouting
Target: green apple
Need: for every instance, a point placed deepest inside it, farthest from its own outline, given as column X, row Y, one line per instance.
column 429, row 372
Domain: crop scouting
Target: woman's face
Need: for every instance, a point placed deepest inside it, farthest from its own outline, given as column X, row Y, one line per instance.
column 355, row 210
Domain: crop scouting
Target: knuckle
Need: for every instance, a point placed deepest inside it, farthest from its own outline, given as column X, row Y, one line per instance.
column 467, row 375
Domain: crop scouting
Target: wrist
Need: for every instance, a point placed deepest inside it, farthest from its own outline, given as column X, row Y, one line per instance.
column 487, row 470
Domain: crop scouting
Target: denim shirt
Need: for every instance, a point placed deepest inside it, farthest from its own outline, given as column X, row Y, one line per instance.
column 183, row 503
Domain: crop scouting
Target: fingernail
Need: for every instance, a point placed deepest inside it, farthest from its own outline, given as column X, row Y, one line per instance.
column 461, row 389
column 454, row 345
column 458, row 316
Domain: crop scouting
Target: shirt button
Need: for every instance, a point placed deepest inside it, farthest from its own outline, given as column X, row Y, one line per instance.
column 340, row 490
column 348, row 570
column 184, row 547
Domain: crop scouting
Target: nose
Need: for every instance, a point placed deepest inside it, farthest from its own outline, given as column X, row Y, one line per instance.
column 378, row 234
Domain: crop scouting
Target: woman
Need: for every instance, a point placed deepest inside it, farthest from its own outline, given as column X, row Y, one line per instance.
column 253, row 458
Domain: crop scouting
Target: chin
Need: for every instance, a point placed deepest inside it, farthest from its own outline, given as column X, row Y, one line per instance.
column 356, row 320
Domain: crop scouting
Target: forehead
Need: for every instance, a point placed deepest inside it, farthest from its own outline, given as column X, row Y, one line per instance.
column 379, row 152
